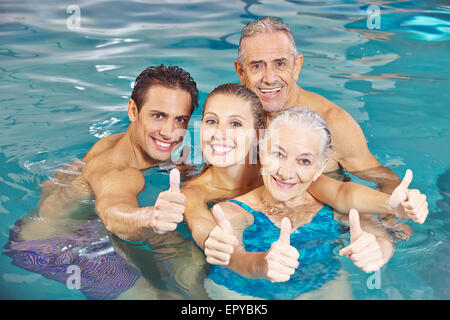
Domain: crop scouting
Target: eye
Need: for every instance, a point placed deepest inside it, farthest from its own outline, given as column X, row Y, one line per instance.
column 277, row 154
column 181, row 120
column 211, row 121
column 236, row 124
column 158, row 116
column 256, row 66
column 281, row 63
column 305, row 162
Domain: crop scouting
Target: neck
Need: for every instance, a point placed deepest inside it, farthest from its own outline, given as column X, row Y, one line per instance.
column 284, row 207
column 235, row 177
column 295, row 99
column 138, row 157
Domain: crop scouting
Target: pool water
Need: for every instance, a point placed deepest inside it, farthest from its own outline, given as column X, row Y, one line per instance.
column 64, row 86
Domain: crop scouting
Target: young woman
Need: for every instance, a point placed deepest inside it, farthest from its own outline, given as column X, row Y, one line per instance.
column 280, row 232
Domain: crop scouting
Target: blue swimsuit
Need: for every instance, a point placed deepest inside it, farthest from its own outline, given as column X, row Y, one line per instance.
column 315, row 243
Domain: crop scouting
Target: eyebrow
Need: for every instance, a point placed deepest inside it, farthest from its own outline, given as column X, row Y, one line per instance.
column 231, row 116
column 280, row 60
column 309, row 154
column 257, row 61
column 165, row 114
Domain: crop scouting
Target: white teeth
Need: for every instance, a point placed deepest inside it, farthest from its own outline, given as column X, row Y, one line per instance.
column 270, row 90
column 162, row 144
column 218, row 148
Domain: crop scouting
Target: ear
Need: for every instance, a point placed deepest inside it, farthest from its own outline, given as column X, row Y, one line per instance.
column 298, row 63
column 132, row 110
column 239, row 71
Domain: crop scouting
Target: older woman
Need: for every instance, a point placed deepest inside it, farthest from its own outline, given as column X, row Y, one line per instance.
column 280, row 232
column 232, row 117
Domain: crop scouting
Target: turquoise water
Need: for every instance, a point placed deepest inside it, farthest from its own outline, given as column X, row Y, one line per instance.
column 64, row 88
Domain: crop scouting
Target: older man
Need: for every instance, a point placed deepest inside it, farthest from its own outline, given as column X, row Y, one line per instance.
column 268, row 63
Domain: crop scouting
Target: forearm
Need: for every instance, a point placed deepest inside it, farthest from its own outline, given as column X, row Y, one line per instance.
column 384, row 177
column 364, row 199
column 127, row 221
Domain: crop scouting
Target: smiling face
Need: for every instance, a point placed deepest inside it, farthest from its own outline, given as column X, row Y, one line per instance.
column 227, row 130
column 291, row 160
column 161, row 123
column 270, row 69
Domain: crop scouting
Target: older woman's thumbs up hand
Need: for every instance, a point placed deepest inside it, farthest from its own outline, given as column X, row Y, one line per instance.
column 282, row 258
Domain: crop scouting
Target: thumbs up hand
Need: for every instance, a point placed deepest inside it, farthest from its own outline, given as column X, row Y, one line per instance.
column 282, row 258
column 364, row 250
column 221, row 240
column 169, row 207
column 409, row 204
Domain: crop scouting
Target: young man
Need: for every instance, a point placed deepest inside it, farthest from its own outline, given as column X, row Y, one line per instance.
column 159, row 110
column 268, row 63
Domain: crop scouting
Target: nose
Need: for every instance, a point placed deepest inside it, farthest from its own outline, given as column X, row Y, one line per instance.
column 166, row 130
column 220, row 133
column 269, row 76
column 287, row 170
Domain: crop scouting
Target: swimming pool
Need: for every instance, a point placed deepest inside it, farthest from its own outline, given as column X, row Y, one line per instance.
column 64, row 86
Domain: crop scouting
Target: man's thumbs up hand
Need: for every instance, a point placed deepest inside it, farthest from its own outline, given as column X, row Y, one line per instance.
column 169, row 207
column 409, row 203
column 364, row 250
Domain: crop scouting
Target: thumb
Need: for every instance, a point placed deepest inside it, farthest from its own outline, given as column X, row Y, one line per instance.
column 221, row 221
column 355, row 226
column 406, row 180
column 285, row 231
column 174, row 180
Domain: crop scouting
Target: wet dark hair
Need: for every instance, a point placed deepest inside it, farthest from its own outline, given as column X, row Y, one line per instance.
column 172, row 77
column 244, row 93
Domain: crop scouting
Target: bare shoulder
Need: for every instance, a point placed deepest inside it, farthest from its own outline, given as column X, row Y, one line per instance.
column 198, row 189
column 235, row 213
column 334, row 115
column 102, row 145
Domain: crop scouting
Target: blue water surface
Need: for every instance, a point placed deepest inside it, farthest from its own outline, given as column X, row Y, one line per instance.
column 64, row 86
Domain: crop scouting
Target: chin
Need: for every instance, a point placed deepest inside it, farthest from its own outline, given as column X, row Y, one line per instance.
column 273, row 107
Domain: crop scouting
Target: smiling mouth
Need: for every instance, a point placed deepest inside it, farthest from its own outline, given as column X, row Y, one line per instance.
column 283, row 184
column 270, row 92
column 220, row 149
column 163, row 145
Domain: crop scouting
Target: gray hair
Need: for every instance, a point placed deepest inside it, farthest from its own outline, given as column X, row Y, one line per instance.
column 298, row 116
column 264, row 25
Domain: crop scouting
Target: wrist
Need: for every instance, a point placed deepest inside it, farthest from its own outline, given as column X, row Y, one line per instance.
column 387, row 249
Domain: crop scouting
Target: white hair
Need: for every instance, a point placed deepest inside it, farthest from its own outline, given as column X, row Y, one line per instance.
column 298, row 116
column 264, row 25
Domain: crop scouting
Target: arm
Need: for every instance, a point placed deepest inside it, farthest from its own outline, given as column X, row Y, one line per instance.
column 343, row 196
column 199, row 219
column 353, row 153
column 223, row 248
column 116, row 193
